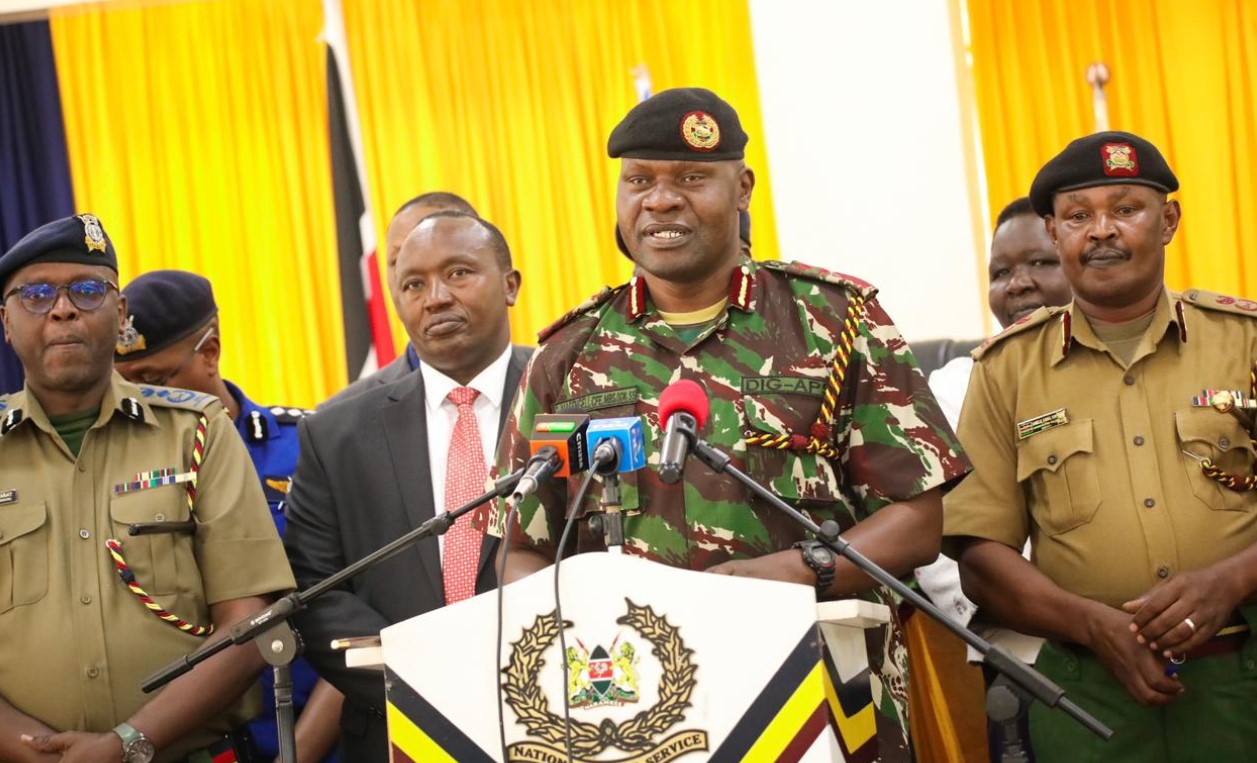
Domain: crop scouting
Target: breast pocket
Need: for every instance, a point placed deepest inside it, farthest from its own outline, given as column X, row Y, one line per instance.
column 1204, row 433
column 801, row 478
column 1059, row 468
column 156, row 559
column 24, row 540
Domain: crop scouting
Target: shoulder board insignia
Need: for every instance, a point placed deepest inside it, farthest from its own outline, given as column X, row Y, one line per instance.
column 813, row 273
column 1037, row 318
column 170, row 397
column 11, row 420
column 592, row 303
column 286, row 415
column 1211, row 301
column 132, row 409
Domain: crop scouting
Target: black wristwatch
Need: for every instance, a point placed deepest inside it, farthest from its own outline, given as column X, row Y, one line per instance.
column 821, row 560
column 136, row 748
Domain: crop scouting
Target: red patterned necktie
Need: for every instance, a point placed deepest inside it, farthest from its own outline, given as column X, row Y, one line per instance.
column 465, row 476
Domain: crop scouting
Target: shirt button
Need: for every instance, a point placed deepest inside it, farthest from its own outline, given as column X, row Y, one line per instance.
column 92, row 672
column 1149, row 502
column 85, row 598
column 1128, row 380
column 1224, row 442
column 1163, row 571
column 82, row 467
column 1052, row 460
column 1139, row 440
column 84, row 534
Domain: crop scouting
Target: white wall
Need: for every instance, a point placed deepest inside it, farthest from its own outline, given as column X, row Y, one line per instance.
column 869, row 164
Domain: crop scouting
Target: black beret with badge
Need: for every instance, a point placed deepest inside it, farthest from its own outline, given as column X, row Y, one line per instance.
column 683, row 124
column 1104, row 158
column 165, row 306
column 78, row 239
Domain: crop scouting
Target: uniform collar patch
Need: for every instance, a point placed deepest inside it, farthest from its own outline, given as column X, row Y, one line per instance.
column 14, row 418
column 637, row 298
column 257, row 429
column 132, row 409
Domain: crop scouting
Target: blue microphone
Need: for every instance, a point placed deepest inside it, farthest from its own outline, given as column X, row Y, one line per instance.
column 616, row 445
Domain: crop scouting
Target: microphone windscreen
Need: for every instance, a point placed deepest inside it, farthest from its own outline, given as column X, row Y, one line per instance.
column 566, row 434
column 684, row 395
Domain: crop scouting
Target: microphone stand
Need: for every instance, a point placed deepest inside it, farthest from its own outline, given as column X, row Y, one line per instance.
column 998, row 657
column 280, row 644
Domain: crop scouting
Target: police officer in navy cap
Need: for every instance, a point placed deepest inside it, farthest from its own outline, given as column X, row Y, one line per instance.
column 132, row 527
column 171, row 339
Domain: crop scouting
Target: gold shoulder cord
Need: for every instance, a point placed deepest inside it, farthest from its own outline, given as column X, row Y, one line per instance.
column 819, row 439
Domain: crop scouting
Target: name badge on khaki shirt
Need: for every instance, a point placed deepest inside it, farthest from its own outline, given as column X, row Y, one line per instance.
column 1031, row 427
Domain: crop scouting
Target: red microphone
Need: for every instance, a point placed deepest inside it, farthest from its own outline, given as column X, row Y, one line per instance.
column 683, row 409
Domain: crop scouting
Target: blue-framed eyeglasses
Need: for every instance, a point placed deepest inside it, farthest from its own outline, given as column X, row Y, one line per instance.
column 39, row 298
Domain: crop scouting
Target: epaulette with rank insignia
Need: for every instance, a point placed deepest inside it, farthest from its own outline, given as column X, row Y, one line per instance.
column 1211, row 301
column 1037, row 318
column 592, row 303
column 813, row 273
column 289, row 415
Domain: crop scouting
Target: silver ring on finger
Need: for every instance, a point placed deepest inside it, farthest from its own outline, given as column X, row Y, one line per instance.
column 1188, row 622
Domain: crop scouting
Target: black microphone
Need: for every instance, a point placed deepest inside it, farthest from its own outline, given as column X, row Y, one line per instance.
column 540, row 468
column 683, row 410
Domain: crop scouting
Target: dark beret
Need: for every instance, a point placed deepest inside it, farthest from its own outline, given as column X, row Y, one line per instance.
column 165, row 306
column 78, row 239
column 1105, row 158
column 685, row 124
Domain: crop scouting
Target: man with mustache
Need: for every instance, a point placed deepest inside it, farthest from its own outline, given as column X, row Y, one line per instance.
column 766, row 339
column 1093, row 432
column 374, row 466
column 131, row 525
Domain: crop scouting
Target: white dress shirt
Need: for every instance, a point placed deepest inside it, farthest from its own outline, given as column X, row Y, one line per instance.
column 442, row 414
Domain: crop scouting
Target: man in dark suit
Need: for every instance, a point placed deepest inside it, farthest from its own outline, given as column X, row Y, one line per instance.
column 404, row 221
column 374, row 466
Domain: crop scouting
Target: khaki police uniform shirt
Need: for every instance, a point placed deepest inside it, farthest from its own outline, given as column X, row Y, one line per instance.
column 74, row 642
column 1114, row 500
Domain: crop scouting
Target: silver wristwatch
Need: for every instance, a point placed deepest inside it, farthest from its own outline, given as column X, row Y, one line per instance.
column 136, row 748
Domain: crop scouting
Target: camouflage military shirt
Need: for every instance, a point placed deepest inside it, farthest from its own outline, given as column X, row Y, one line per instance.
column 764, row 361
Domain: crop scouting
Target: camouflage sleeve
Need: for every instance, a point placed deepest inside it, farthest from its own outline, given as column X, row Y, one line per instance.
column 894, row 439
column 989, row 503
column 532, row 524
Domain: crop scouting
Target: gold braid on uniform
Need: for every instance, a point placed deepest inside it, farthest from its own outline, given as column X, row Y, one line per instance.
column 819, row 440
column 128, row 575
column 1226, row 479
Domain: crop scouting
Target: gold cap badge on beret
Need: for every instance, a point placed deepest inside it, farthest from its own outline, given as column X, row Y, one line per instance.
column 700, row 131
column 1120, row 160
column 93, row 234
column 129, row 340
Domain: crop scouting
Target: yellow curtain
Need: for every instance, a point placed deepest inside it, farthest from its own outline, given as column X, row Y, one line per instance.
column 1184, row 75
column 198, row 133
column 509, row 103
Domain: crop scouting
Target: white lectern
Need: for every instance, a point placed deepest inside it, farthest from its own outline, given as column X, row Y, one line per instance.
column 664, row 664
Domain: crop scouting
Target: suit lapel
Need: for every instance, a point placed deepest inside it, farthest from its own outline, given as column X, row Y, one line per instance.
column 405, row 420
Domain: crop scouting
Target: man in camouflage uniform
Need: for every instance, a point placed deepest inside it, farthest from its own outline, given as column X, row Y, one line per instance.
column 1093, row 431
column 765, row 339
